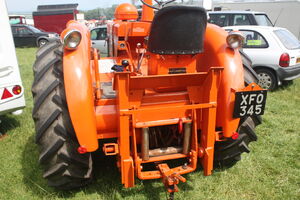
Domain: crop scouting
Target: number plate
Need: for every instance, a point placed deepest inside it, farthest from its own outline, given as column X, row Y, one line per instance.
column 249, row 103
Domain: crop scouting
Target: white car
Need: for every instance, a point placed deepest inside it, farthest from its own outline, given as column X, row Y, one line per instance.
column 274, row 51
column 238, row 18
column 99, row 38
column 11, row 89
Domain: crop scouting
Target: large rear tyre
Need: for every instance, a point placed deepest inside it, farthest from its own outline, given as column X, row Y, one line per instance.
column 228, row 153
column 64, row 167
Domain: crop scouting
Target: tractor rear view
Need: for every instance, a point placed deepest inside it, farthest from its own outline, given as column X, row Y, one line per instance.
column 172, row 92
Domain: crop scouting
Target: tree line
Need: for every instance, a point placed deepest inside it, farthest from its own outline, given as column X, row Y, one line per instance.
column 99, row 13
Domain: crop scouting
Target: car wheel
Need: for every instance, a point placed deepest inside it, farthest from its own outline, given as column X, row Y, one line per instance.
column 42, row 42
column 266, row 79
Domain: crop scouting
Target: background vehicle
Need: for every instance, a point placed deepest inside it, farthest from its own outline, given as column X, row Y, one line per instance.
column 53, row 18
column 99, row 38
column 159, row 98
column 274, row 51
column 239, row 18
column 11, row 89
column 25, row 35
column 17, row 19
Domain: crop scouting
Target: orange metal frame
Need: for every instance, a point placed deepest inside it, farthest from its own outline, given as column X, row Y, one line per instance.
column 150, row 97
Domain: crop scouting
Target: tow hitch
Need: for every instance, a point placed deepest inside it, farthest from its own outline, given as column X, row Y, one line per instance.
column 170, row 179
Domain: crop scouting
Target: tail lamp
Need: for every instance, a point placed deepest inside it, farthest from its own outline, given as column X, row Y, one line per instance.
column 82, row 150
column 284, row 60
column 235, row 39
column 235, row 136
column 6, row 94
column 17, row 89
column 72, row 39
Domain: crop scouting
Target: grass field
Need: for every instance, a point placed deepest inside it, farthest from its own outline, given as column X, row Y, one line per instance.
column 270, row 171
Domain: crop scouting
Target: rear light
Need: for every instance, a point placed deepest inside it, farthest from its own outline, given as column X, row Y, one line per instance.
column 17, row 89
column 82, row 150
column 6, row 94
column 284, row 60
column 235, row 136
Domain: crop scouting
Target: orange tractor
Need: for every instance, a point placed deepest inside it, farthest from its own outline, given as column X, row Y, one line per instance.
column 173, row 94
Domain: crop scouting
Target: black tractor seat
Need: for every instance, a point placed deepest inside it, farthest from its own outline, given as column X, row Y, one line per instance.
column 178, row 30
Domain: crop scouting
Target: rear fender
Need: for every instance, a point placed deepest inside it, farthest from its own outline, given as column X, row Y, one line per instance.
column 78, row 88
column 217, row 53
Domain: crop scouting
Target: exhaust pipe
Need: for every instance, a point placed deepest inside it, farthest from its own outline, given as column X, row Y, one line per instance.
column 145, row 144
column 187, row 138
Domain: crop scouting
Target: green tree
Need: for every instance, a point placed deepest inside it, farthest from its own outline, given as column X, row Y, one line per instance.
column 99, row 12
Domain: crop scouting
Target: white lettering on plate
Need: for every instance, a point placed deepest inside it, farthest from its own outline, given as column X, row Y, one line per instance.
column 244, row 101
column 260, row 98
column 247, row 100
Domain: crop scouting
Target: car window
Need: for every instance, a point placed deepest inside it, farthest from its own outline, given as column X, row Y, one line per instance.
column 219, row 19
column 240, row 19
column 287, row 39
column 35, row 30
column 263, row 20
column 14, row 20
column 253, row 39
column 22, row 30
column 98, row 34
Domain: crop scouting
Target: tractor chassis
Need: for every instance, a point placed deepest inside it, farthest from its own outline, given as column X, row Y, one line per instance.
column 202, row 89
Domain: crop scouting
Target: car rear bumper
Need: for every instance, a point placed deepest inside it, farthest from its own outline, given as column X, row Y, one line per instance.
column 289, row 73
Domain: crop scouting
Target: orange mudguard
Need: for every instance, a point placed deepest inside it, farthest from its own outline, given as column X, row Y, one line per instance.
column 217, row 53
column 79, row 90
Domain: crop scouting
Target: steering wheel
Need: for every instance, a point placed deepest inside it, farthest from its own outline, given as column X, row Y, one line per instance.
column 161, row 4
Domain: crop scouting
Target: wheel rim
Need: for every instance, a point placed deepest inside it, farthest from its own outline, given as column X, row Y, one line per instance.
column 265, row 80
column 42, row 42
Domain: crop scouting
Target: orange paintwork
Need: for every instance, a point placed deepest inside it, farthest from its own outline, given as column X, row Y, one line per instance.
column 147, row 95
column 216, row 53
column 148, row 13
column 126, row 11
column 79, row 90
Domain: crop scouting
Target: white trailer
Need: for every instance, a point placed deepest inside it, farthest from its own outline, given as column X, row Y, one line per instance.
column 11, row 88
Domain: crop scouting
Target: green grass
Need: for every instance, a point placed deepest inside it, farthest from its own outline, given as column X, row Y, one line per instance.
column 270, row 171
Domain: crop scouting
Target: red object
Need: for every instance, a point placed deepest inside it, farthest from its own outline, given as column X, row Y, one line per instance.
column 235, row 135
column 6, row 94
column 82, row 150
column 17, row 89
column 180, row 126
column 53, row 18
column 284, row 60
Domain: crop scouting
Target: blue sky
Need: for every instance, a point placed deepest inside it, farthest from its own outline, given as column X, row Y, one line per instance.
column 31, row 5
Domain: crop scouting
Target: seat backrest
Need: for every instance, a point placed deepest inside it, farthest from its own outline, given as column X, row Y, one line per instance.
column 178, row 30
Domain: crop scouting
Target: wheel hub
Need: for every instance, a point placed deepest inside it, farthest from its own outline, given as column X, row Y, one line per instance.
column 265, row 81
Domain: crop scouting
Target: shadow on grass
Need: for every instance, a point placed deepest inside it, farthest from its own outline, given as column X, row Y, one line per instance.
column 286, row 84
column 8, row 122
column 107, row 181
